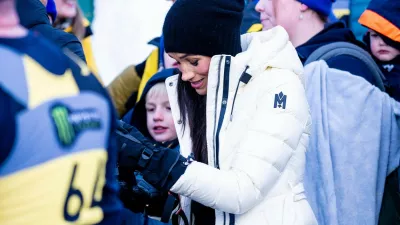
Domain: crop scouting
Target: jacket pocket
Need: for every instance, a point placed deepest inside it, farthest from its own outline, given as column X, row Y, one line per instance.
column 303, row 211
column 285, row 210
column 297, row 211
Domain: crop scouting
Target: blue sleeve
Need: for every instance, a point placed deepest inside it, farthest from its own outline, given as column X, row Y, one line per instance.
column 75, row 46
column 111, row 204
column 71, row 42
column 61, row 39
column 352, row 65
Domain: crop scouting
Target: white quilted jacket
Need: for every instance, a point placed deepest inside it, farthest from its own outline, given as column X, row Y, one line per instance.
column 258, row 127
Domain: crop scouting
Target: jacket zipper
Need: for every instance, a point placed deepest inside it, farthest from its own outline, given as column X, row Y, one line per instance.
column 245, row 78
column 225, row 94
column 215, row 113
column 231, row 219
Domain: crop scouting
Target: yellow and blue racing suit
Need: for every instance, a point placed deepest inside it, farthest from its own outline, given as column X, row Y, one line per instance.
column 58, row 153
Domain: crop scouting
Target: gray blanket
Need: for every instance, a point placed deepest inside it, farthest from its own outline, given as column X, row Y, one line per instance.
column 354, row 145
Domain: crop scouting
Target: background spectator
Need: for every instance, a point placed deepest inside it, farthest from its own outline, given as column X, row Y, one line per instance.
column 306, row 23
column 383, row 41
column 70, row 19
column 33, row 16
column 59, row 125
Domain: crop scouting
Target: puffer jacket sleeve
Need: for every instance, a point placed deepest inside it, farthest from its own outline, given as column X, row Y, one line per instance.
column 269, row 142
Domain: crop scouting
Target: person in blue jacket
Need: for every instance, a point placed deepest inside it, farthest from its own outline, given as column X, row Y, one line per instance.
column 383, row 40
column 58, row 146
column 33, row 16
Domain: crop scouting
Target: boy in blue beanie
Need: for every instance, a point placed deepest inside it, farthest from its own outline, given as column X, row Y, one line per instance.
column 383, row 40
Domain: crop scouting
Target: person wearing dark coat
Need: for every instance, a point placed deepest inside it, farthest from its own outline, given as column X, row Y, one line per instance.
column 33, row 16
column 383, row 40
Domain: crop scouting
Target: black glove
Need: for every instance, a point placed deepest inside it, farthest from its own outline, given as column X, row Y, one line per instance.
column 142, row 197
column 160, row 166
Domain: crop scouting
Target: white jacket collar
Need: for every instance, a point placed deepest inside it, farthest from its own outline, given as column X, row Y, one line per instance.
column 270, row 48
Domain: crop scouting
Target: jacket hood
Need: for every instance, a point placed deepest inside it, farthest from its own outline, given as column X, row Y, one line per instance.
column 270, row 48
column 383, row 17
column 138, row 118
column 32, row 13
column 334, row 32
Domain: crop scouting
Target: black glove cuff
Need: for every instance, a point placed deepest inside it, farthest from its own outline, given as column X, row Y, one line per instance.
column 175, row 173
column 164, row 168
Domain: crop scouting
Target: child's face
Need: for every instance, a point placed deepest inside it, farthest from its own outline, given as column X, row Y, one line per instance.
column 160, row 123
column 380, row 49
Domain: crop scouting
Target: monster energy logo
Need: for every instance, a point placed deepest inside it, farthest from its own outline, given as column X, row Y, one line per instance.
column 69, row 124
column 65, row 130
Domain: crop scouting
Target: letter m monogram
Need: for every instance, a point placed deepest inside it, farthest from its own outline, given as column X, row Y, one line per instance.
column 280, row 101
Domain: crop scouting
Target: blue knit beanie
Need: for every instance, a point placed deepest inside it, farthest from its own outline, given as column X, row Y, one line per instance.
column 320, row 6
column 51, row 9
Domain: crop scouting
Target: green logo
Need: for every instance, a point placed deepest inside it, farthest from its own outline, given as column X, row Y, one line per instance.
column 65, row 130
column 70, row 124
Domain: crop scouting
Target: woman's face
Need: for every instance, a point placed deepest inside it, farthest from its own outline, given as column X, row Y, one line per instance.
column 66, row 8
column 267, row 14
column 194, row 69
column 286, row 13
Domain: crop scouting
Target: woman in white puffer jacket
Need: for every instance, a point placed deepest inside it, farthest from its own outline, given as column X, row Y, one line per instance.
column 257, row 132
column 240, row 108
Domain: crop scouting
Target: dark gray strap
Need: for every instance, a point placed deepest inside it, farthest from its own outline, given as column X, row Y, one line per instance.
column 344, row 48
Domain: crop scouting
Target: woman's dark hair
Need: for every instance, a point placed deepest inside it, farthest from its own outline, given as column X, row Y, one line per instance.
column 193, row 109
column 322, row 17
